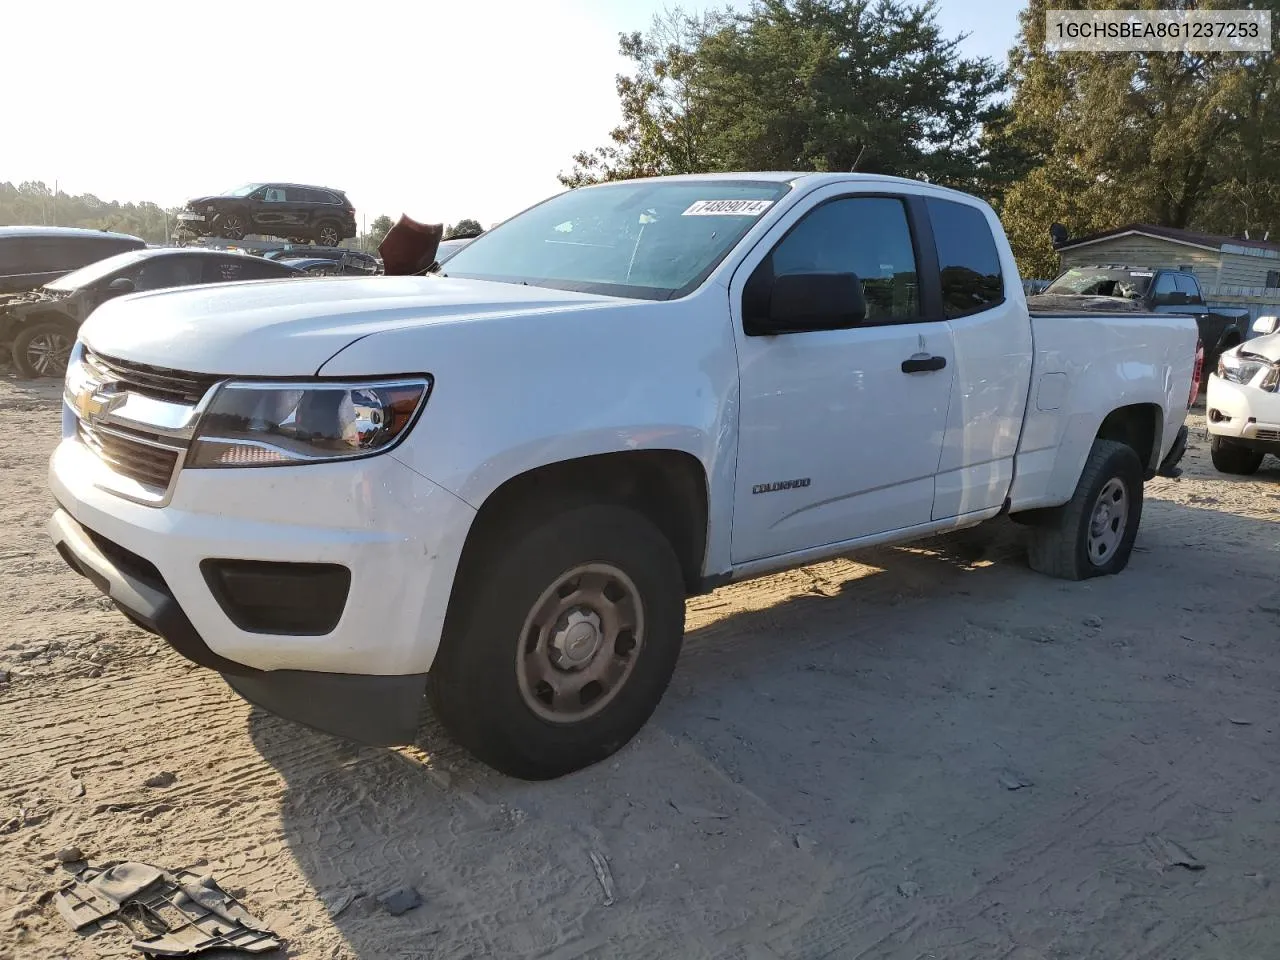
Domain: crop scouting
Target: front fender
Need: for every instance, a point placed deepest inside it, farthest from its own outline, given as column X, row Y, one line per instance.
column 512, row 394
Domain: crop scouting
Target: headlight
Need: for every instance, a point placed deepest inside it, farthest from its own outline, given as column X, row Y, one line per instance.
column 1238, row 369
column 279, row 424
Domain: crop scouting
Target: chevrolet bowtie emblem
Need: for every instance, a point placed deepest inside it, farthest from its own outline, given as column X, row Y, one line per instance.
column 94, row 400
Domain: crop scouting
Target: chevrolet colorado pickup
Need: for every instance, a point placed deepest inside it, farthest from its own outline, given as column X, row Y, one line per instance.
column 497, row 483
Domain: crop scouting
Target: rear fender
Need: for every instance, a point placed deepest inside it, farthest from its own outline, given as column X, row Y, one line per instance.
column 1071, row 399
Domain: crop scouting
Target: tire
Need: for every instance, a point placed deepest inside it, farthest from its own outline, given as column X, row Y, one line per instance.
column 232, row 226
column 484, row 686
column 1234, row 458
column 1068, row 541
column 42, row 348
column 328, row 234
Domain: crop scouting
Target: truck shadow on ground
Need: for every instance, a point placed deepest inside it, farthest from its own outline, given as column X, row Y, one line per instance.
column 933, row 749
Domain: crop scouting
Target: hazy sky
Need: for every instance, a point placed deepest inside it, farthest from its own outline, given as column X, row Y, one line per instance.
column 441, row 110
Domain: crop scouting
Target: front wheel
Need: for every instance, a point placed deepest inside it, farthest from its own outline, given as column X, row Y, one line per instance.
column 560, row 641
column 1231, row 457
column 232, row 226
column 1092, row 534
column 43, row 348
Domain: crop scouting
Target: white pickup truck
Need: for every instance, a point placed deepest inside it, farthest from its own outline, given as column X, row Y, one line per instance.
column 499, row 483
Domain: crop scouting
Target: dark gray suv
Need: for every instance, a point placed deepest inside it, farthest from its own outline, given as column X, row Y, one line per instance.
column 32, row 256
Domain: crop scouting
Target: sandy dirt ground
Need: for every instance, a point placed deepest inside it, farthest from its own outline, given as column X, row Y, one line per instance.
column 829, row 776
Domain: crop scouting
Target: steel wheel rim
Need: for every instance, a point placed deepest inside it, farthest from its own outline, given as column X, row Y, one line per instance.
column 1107, row 524
column 579, row 644
column 48, row 353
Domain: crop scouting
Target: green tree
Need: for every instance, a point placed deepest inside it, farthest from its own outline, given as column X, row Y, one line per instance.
column 463, row 228
column 664, row 115
column 802, row 85
column 34, row 203
column 1173, row 139
column 378, row 231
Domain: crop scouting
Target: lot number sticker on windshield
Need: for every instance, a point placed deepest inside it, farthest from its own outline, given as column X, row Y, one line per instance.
column 727, row 208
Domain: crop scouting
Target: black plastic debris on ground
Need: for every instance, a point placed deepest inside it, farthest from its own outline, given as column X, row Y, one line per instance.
column 176, row 914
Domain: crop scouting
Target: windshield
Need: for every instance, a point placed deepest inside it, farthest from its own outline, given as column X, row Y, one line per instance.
column 1100, row 282
column 241, row 191
column 79, row 279
column 648, row 239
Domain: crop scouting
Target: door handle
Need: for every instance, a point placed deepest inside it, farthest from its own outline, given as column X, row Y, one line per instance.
column 923, row 363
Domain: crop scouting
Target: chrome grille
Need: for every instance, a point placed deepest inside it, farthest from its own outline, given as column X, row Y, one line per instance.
column 147, row 462
column 175, row 386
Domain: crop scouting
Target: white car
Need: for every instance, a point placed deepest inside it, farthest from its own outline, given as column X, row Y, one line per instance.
column 499, row 482
column 1243, row 402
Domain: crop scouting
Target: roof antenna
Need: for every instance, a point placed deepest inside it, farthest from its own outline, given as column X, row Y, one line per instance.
column 858, row 158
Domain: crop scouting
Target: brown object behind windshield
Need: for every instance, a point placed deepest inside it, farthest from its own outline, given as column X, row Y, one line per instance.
column 410, row 247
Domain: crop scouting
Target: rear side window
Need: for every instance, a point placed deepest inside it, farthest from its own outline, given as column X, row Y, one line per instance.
column 967, row 258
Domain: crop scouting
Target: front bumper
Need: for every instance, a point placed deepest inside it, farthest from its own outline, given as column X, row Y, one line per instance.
column 369, row 709
column 1242, row 412
column 400, row 536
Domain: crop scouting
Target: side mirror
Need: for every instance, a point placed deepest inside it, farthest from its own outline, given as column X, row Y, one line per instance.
column 1265, row 325
column 120, row 285
column 815, row 301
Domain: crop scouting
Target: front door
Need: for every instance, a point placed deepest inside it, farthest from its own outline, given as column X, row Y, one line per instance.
column 837, row 439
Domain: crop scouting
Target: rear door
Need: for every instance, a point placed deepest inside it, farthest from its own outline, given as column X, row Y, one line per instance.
column 837, row 441
column 986, row 311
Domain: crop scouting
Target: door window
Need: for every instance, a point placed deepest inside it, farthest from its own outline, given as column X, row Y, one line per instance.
column 866, row 236
column 275, row 195
column 1165, row 288
column 968, row 261
column 163, row 272
column 1187, row 286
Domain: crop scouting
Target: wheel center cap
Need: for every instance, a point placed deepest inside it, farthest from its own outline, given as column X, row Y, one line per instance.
column 576, row 639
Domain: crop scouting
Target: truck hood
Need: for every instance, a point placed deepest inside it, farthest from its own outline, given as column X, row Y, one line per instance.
column 283, row 328
column 1083, row 303
column 1268, row 347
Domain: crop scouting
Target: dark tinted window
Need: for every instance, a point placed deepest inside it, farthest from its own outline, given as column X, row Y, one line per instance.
column 868, row 236
column 161, row 272
column 1165, row 286
column 49, row 254
column 1187, row 284
column 243, row 268
column 40, row 255
column 968, row 260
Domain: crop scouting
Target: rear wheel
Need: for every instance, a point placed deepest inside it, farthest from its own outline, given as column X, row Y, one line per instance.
column 560, row 641
column 328, row 234
column 1093, row 533
column 42, row 348
column 1231, row 457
